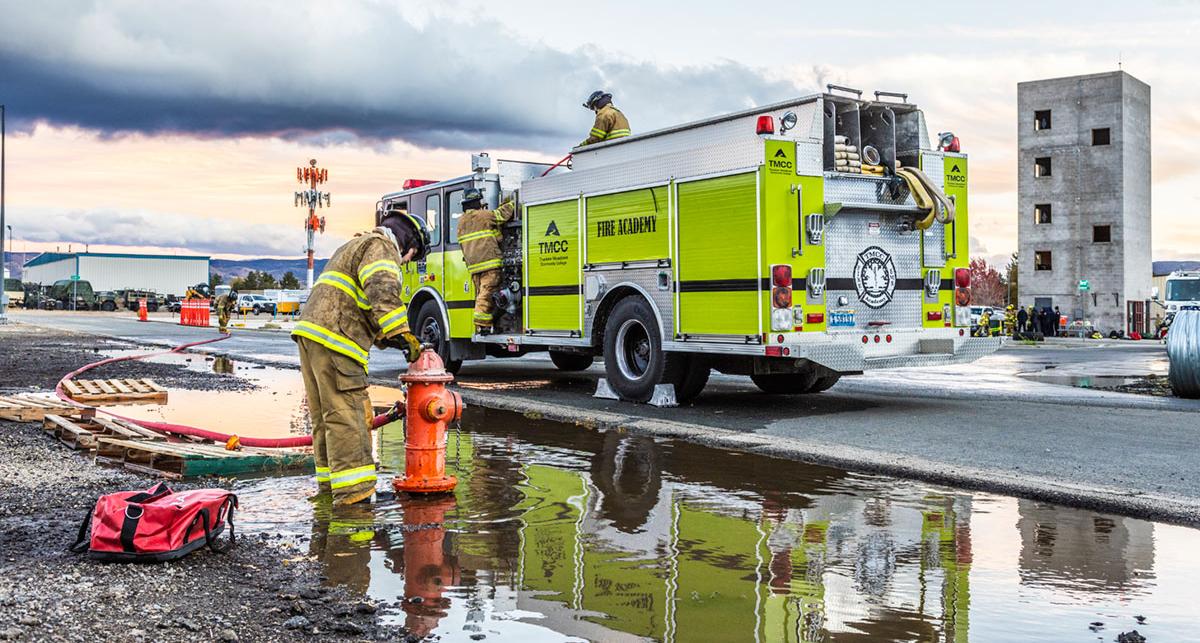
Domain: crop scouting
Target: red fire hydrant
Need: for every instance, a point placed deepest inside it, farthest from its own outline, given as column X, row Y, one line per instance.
column 430, row 409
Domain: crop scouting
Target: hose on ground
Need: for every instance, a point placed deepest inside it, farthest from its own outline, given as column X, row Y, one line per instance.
column 1183, row 350
column 182, row 429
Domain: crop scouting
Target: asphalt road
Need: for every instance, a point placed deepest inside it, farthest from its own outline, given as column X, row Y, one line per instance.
column 981, row 426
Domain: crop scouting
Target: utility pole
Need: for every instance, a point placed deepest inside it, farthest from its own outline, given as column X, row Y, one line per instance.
column 3, row 167
column 312, row 199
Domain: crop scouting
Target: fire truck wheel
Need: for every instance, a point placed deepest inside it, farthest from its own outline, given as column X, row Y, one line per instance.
column 695, row 377
column 571, row 361
column 634, row 360
column 430, row 330
column 823, row 383
column 785, row 383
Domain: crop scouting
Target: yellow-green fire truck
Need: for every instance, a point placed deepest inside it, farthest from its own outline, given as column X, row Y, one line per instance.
column 738, row 243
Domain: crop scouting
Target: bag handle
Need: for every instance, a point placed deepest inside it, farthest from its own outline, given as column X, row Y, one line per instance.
column 157, row 491
column 81, row 545
column 226, row 508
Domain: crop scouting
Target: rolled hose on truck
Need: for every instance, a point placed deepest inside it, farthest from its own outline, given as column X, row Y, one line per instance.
column 1183, row 350
column 183, row 429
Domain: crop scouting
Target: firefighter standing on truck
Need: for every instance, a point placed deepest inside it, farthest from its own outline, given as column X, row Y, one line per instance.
column 610, row 122
column 355, row 303
column 479, row 234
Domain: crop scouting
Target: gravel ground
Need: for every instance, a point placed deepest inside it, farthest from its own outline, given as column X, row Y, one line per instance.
column 263, row 590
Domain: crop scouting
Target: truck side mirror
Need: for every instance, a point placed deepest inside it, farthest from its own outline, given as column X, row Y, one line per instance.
column 1154, row 293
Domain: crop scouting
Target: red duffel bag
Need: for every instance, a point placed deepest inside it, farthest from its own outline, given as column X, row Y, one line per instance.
column 156, row 524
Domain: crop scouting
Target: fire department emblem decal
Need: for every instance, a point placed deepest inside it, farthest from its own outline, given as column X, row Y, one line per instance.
column 875, row 277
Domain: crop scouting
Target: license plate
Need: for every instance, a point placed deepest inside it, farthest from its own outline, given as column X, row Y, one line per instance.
column 841, row 319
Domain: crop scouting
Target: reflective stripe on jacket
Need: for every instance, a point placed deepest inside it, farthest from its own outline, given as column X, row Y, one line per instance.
column 356, row 301
column 610, row 124
column 479, row 234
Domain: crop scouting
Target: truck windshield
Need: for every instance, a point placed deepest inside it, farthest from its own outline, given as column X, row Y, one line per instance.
column 1183, row 290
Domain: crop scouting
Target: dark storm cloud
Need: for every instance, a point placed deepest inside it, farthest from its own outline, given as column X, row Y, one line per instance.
column 280, row 69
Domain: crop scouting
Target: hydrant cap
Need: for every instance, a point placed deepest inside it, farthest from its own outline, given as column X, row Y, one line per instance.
column 428, row 368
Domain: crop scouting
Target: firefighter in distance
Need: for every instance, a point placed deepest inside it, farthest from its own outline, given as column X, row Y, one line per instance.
column 225, row 306
column 479, row 234
column 610, row 122
column 355, row 303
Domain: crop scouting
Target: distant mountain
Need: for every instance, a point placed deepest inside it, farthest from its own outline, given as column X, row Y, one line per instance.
column 231, row 268
column 1168, row 267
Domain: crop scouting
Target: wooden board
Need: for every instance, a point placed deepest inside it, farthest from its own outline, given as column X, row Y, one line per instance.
column 81, row 434
column 188, row 460
column 116, row 391
column 33, row 407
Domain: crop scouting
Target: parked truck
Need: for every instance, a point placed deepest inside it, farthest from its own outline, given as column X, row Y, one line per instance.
column 742, row 243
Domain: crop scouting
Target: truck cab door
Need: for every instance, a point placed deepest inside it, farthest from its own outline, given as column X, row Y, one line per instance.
column 460, row 291
column 430, row 270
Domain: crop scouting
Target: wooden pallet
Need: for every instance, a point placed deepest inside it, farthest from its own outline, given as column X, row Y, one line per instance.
column 33, row 407
column 81, row 434
column 116, row 391
column 188, row 460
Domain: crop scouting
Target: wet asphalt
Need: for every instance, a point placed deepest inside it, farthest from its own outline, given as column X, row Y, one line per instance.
column 980, row 426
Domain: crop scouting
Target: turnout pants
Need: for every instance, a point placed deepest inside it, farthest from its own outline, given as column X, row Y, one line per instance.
column 223, row 319
column 486, row 284
column 336, row 387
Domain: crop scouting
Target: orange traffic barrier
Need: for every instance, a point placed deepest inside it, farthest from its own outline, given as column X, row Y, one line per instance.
column 193, row 312
column 142, row 309
column 430, row 409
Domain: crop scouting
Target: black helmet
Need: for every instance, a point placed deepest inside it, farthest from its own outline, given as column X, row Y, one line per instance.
column 596, row 97
column 471, row 194
column 419, row 228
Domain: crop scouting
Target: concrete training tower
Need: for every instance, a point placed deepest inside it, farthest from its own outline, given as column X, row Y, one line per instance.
column 1083, row 187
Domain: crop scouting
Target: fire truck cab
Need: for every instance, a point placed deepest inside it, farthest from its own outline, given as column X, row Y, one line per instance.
column 743, row 243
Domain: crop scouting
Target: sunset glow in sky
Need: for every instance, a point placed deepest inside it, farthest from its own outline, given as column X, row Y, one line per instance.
column 178, row 126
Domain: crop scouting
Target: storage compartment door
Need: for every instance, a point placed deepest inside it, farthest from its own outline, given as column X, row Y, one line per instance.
column 552, row 267
column 717, row 278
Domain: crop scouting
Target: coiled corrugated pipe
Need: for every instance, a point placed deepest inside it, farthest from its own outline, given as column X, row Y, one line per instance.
column 1183, row 349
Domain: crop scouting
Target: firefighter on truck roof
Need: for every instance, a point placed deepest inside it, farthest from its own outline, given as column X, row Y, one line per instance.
column 479, row 234
column 355, row 303
column 610, row 122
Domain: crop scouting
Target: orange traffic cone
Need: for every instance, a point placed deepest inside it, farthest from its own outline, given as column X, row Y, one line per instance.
column 142, row 310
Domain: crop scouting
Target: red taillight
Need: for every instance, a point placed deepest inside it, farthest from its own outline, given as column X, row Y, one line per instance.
column 779, row 338
column 889, row 339
column 877, row 339
column 962, row 296
column 815, row 318
column 781, row 275
column 933, row 315
column 774, row 351
column 960, row 332
column 865, row 340
column 766, row 124
column 414, row 183
column 962, row 278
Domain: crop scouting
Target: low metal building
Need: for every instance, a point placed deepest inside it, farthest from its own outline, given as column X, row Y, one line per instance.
column 164, row 274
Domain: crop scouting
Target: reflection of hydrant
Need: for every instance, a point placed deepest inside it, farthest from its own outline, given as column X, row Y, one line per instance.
column 430, row 408
column 428, row 570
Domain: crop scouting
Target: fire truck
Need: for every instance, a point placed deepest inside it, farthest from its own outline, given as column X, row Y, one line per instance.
column 743, row 243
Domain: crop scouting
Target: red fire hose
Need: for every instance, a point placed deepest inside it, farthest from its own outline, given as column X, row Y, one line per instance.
column 183, row 429
column 551, row 168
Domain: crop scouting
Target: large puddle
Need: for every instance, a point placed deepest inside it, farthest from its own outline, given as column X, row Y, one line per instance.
column 557, row 532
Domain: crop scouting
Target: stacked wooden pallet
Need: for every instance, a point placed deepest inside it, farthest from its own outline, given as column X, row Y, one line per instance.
column 32, row 407
column 81, row 434
column 188, row 459
column 116, row 391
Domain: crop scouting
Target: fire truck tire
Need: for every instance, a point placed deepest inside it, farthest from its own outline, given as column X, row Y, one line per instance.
column 695, row 377
column 571, row 361
column 431, row 330
column 823, row 383
column 634, row 361
column 785, row 383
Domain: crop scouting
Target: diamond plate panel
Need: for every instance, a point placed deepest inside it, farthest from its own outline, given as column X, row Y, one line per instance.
column 647, row 280
column 809, row 158
column 853, row 189
column 932, row 164
column 849, row 234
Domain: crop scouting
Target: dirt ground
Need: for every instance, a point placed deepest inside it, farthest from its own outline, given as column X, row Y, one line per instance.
column 263, row 590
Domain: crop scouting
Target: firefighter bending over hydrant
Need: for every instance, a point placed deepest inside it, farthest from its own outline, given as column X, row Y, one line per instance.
column 479, row 234
column 225, row 306
column 355, row 303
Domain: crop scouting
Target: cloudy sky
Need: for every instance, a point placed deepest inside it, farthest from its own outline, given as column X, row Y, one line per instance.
column 178, row 125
